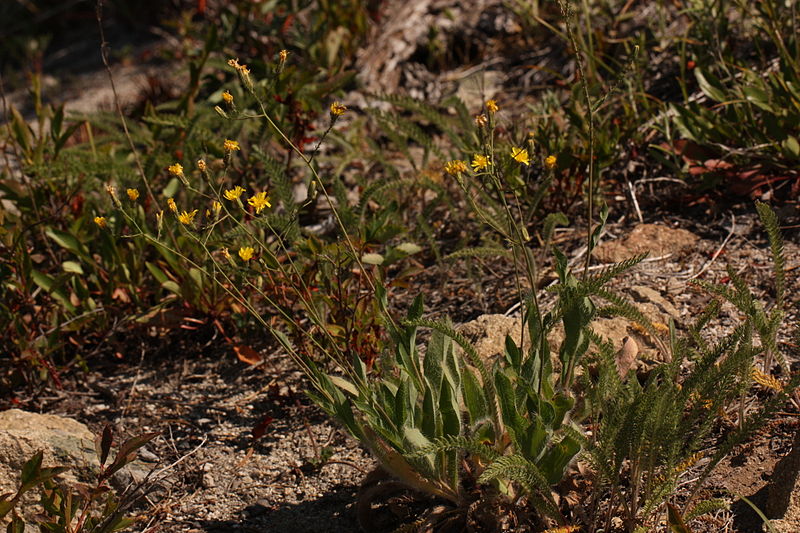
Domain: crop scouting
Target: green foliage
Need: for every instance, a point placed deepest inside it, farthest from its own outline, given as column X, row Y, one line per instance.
column 65, row 277
column 740, row 88
column 423, row 412
column 317, row 268
column 85, row 509
column 766, row 323
column 651, row 432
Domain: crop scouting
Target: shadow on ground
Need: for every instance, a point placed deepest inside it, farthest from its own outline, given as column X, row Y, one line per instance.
column 333, row 513
column 745, row 519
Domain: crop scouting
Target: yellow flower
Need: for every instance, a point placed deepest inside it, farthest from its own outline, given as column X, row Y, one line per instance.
column 171, row 205
column 227, row 97
column 259, row 201
column 186, row 217
column 550, row 162
column 133, row 194
column 491, row 106
column 233, row 194
column 481, row 120
column 338, row 109
column 201, row 164
column 283, row 54
column 455, row 167
column 101, row 221
column 520, row 155
column 244, row 73
column 480, row 162
column 216, row 206
column 230, row 145
column 246, row 253
column 241, row 68
column 176, row 169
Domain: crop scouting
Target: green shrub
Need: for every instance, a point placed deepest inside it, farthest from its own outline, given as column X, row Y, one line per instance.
column 80, row 509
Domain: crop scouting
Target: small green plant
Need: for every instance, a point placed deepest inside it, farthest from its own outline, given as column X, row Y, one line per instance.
column 71, row 275
column 652, row 432
column 93, row 508
column 61, row 277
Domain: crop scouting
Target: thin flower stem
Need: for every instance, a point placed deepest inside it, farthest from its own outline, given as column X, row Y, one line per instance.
column 308, row 162
column 567, row 12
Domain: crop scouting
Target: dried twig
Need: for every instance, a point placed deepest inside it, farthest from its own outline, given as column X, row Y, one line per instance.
column 718, row 251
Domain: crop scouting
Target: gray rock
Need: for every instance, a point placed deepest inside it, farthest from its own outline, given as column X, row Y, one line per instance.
column 63, row 441
column 488, row 334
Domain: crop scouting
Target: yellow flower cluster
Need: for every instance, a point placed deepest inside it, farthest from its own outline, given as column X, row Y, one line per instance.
column 480, row 162
column 171, row 205
column 176, row 169
column 233, row 194
column 455, row 167
column 282, row 55
column 338, row 109
column 186, row 217
column 259, row 201
column 227, row 97
column 550, row 162
column 133, row 194
column 491, row 106
column 101, row 222
column 520, row 155
column 246, row 253
column 230, row 145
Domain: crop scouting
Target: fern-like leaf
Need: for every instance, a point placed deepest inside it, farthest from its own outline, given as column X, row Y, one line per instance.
column 707, row 506
column 770, row 222
column 610, row 272
column 451, row 443
column 478, row 251
column 520, row 470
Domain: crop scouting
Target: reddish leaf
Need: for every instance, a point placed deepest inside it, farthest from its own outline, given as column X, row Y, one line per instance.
column 261, row 428
column 121, row 295
column 246, row 354
column 690, row 151
column 103, row 443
